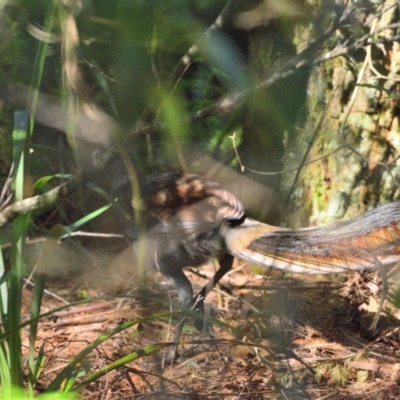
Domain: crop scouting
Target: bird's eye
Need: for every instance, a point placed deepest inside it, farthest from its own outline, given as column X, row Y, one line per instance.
column 236, row 222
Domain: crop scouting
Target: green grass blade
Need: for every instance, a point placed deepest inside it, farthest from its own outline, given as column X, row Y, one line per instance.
column 48, row 250
column 5, row 374
column 38, row 291
column 85, row 219
column 121, row 362
column 19, row 139
column 64, row 376
column 3, row 289
column 40, row 362
column 40, row 60
column 41, row 183
column 19, row 228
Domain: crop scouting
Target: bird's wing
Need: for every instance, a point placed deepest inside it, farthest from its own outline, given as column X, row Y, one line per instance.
column 184, row 205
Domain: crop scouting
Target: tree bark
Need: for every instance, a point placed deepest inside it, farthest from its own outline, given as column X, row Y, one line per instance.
column 351, row 136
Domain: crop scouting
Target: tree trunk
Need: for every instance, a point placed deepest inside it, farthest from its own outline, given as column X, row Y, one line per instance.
column 351, row 137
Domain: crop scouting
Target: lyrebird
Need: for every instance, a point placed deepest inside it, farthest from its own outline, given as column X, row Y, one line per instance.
column 189, row 220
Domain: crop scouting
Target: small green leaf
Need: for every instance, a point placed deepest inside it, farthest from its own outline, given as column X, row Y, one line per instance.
column 82, row 294
column 41, row 183
column 86, row 218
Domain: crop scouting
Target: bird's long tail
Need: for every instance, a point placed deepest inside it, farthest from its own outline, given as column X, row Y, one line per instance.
column 371, row 240
column 368, row 241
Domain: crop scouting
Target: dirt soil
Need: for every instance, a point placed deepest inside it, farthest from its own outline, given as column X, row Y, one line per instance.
column 278, row 337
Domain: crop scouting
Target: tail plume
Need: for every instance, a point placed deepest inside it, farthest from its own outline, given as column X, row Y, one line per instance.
column 358, row 244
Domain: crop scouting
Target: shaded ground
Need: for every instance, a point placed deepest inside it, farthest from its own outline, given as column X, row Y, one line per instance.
column 288, row 338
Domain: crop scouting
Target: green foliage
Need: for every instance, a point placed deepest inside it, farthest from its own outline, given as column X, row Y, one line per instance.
column 18, row 394
column 12, row 48
column 41, row 184
column 82, row 294
column 11, row 365
column 339, row 373
column 332, row 370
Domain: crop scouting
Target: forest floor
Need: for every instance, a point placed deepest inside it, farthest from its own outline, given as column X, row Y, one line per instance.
column 278, row 337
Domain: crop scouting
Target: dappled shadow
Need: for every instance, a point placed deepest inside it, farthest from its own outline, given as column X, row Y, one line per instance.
column 282, row 337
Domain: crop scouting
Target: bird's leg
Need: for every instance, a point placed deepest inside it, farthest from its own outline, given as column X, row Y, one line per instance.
column 185, row 294
column 225, row 265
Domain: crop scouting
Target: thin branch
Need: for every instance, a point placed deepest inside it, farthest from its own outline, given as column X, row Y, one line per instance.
column 92, row 234
column 243, row 167
column 38, row 203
